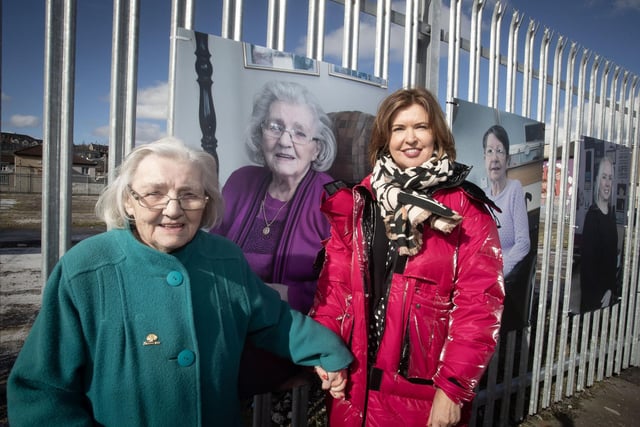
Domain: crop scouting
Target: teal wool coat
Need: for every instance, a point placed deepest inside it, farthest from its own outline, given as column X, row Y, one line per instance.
column 130, row 336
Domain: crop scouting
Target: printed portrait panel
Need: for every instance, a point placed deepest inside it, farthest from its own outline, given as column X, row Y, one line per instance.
column 282, row 129
column 506, row 152
column 218, row 79
column 602, row 202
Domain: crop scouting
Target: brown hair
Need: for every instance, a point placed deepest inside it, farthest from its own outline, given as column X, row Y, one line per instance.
column 405, row 98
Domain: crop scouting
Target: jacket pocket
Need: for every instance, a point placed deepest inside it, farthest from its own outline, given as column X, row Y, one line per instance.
column 426, row 330
column 388, row 383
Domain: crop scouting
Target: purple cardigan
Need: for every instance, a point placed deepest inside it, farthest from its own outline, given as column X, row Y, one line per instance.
column 305, row 227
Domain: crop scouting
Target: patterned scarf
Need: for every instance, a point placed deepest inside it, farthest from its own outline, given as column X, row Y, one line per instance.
column 405, row 204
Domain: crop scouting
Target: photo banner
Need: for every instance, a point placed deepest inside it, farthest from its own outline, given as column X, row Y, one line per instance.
column 603, row 186
column 217, row 80
column 506, row 153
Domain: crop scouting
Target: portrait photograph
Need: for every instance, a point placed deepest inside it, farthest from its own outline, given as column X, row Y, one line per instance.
column 506, row 153
column 285, row 134
column 604, row 173
column 217, row 81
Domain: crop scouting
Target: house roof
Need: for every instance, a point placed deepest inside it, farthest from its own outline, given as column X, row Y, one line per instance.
column 36, row 151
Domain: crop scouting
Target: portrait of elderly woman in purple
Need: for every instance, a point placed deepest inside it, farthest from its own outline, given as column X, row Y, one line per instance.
column 272, row 208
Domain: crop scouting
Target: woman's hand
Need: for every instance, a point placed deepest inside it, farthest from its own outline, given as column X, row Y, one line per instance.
column 335, row 382
column 444, row 411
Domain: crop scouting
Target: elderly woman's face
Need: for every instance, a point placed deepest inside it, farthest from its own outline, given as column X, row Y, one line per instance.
column 170, row 228
column 287, row 139
column 495, row 159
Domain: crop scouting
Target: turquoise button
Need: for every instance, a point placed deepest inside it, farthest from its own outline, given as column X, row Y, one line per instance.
column 175, row 278
column 186, row 358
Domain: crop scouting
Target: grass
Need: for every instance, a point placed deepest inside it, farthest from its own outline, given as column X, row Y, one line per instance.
column 24, row 211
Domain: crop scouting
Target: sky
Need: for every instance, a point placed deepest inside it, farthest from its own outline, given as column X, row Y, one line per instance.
column 610, row 28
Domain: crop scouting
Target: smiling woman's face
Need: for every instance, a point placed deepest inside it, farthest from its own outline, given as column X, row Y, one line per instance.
column 282, row 156
column 172, row 227
column 605, row 180
column 412, row 141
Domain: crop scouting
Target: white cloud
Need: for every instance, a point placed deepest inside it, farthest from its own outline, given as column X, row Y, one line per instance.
column 627, row 4
column 153, row 101
column 148, row 132
column 102, row 132
column 151, row 105
column 333, row 41
column 24, row 121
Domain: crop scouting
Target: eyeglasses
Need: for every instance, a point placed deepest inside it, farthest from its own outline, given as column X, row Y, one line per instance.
column 158, row 201
column 498, row 152
column 275, row 130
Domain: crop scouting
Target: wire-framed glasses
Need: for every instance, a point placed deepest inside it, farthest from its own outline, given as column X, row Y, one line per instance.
column 274, row 130
column 158, row 201
column 497, row 151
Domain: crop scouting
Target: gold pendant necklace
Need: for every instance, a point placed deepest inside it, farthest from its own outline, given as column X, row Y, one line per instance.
column 267, row 224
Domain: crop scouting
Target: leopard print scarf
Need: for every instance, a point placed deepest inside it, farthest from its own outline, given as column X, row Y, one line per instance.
column 405, row 204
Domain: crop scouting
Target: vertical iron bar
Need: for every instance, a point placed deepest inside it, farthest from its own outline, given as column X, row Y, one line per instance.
column 631, row 261
column 543, row 75
column 55, row 118
column 575, row 138
column 410, row 43
column 131, row 76
column 315, row 29
column 182, row 15
column 232, row 19
column 527, row 79
column 542, row 299
column 67, row 70
column 617, row 320
column 494, row 55
column 475, row 48
column 383, row 25
column 277, row 16
column 123, row 82
column 564, row 257
column 553, row 312
column 600, row 121
column 635, row 334
column 512, row 62
column 454, row 46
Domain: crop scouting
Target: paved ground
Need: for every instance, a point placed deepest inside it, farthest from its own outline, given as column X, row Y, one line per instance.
column 612, row 402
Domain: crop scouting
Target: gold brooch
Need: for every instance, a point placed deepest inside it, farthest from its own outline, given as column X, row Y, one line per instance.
column 151, row 339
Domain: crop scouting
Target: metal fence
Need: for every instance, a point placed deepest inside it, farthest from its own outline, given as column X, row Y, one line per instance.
column 573, row 90
column 32, row 183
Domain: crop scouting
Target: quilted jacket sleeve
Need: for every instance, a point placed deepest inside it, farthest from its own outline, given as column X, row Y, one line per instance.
column 478, row 296
column 332, row 303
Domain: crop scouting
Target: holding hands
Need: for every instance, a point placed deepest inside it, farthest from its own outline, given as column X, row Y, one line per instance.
column 335, row 382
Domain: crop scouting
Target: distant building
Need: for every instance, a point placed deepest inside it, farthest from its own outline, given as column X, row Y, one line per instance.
column 21, row 165
column 29, row 161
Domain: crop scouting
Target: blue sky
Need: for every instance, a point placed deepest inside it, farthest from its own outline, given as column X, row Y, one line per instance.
column 610, row 28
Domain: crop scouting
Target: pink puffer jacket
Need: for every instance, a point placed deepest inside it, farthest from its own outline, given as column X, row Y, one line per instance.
column 447, row 303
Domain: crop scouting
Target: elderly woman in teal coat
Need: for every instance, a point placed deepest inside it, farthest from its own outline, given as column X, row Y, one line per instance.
column 145, row 324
